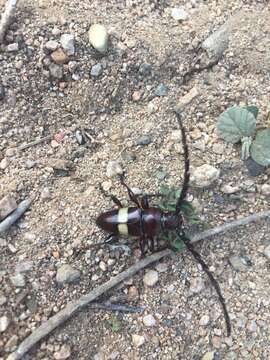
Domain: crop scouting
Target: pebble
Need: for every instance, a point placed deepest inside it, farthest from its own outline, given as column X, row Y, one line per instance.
column 3, row 300
column 96, row 70
column 216, row 341
column 161, row 90
column 51, row 45
column 144, row 140
column 218, row 148
column 3, row 242
column 196, row 285
column 252, row 326
column 145, row 69
column 12, row 343
column 7, row 206
column 103, row 266
column 18, row 280
column 98, row 37
column 4, row 163
column 4, row 323
column 63, row 353
column 113, row 169
column 106, row 185
column 204, row 175
column 67, row 43
column 136, row 96
column 204, row 320
column 186, row 99
column 228, row 189
column 13, row 47
column 254, row 169
column 56, row 71
column 161, row 267
column 59, row 57
column 266, row 251
column 133, row 293
column 209, row 355
column 240, row 263
column 10, row 152
column 150, row 278
column 149, row 320
column 265, row 189
column 45, row 194
column 176, row 136
column 138, row 340
column 24, row 266
column 200, row 145
column 29, row 164
column 66, row 274
column 179, row 14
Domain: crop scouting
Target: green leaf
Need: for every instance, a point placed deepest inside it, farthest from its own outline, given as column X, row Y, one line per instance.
column 253, row 109
column 178, row 245
column 260, row 148
column 115, row 325
column 236, row 123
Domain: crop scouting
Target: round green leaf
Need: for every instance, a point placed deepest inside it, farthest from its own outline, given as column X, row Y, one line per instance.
column 260, row 148
column 253, row 109
column 236, row 123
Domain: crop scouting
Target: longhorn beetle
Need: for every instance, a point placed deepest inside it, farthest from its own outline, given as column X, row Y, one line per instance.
column 146, row 223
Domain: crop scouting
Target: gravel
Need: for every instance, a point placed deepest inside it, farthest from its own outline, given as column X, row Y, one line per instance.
column 143, row 47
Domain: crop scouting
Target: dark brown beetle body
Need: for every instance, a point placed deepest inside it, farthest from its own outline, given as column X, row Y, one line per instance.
column 145, row 223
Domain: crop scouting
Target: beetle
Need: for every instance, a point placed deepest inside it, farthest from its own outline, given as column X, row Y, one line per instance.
column 146, row 223
column 143, row 221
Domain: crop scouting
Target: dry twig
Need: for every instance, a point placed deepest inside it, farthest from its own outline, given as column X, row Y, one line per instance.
column 48, row 326
column 15, row 215
column 35, row 142
column 116, row 307
column 6, row 18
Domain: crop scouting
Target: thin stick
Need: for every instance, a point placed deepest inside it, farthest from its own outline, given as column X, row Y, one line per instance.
column 7, row 17
column 229, row 226
column 48, row 326
column 35, row 142
column 10, row 220
column 116, row 307
column 72, row 307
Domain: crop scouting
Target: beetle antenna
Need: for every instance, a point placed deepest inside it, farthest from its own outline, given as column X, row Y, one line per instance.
column 185, row 185
column 213, row 281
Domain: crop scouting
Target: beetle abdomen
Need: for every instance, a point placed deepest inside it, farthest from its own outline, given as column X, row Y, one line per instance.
column 125, row 221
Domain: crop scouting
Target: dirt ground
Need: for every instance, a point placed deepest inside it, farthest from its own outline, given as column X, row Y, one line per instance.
column 117, row 108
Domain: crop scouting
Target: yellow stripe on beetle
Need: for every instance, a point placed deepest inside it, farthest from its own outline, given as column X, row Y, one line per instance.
column 122, row 218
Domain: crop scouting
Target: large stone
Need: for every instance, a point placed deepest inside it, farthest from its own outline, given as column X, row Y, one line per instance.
column 240, row 263
column 204, row 175
column 67, row 43
column 66, row 274
column 98, row 37
column 150, row 278
column 138, row 340
column 113, row 169
column 4, row 323
column 7, row 206
column 59, row 56
column 149, row 320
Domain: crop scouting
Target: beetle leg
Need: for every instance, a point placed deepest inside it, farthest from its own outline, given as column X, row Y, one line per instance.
column 112, row 197
column 152, row 244
column 145, row 202
column 142, row 245
column 131, row 194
